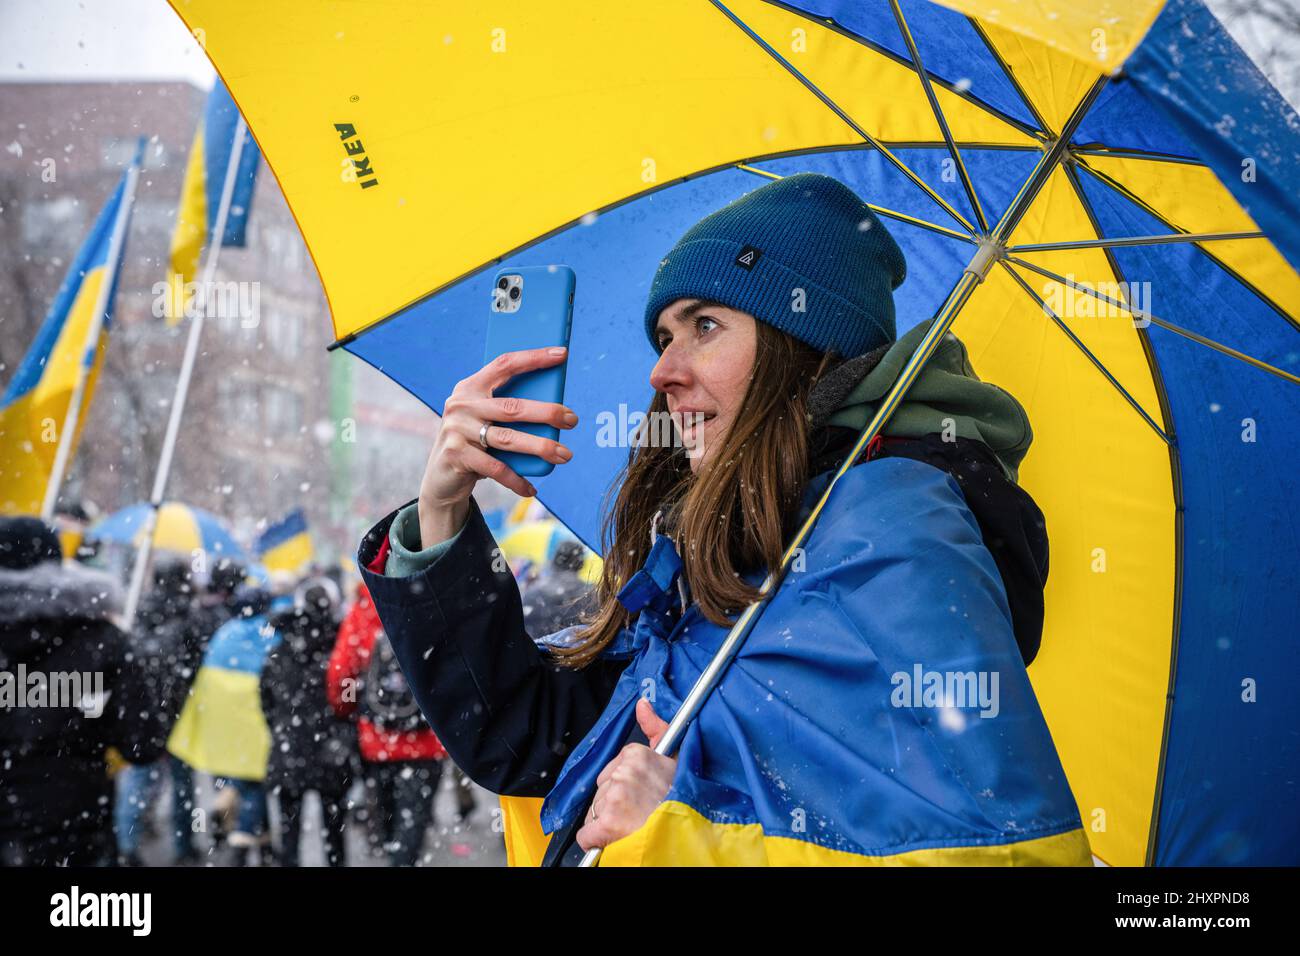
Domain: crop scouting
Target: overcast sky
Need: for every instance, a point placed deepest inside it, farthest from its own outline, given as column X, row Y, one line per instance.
column 98, row 40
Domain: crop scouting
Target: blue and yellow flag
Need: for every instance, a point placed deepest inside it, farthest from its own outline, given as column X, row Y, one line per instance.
column 201, row 192
column 67, row 349
column 286, row 545
column 222, row 730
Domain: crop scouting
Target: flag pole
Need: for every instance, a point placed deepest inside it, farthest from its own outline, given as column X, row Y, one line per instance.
column 71, row 418
column 145, row 548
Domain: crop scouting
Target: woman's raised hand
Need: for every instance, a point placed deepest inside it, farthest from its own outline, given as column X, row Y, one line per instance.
column 458, row 461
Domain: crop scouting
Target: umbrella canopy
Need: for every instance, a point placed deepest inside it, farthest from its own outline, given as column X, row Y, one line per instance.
column 419, row 147
column 258, row 575
column 181, row 529
column 533, row 541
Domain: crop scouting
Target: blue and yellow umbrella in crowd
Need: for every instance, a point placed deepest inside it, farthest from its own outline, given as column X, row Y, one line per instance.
column 181, row 529
column 535, row 543
column 1098, row 195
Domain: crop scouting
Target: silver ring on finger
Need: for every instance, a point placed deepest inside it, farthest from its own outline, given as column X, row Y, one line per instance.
column 482, row 435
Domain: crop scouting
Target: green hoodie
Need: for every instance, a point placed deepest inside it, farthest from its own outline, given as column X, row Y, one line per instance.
column 947, row 389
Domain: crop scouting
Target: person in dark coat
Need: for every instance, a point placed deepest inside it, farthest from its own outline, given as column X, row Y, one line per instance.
column 216, row 602
column 311, row 747
column 214, row 605
column 56, row 797
column 169, row 622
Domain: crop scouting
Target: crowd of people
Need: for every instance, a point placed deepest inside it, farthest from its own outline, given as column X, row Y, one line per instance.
column 269, row 693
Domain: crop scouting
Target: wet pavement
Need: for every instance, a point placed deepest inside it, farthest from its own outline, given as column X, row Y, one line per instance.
column 449, row 841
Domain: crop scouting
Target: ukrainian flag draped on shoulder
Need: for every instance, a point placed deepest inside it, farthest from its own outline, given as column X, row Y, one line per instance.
column 880, row 716
column 221, row 730
column 35, row 402
column 201, row 192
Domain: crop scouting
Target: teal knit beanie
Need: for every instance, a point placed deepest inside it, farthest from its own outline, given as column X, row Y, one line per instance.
column 803, row 254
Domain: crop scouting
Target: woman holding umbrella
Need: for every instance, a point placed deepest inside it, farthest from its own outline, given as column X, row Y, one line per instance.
column 880, row 711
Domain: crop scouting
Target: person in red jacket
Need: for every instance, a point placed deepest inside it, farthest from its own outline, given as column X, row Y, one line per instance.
column 402, row 756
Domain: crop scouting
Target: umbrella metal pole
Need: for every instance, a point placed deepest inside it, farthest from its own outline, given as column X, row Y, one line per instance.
column 991, row 249
column 145, row 548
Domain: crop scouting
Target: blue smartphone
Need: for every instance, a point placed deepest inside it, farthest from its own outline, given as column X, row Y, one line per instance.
column 531, row 308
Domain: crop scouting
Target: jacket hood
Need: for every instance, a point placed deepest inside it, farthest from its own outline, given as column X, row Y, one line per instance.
column 947, row 388
column 53, row 591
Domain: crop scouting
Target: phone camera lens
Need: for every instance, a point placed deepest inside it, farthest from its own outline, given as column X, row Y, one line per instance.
column 502, row 282
column 514, row 293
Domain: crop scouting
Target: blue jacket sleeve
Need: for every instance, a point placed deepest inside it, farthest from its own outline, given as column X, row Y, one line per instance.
column 507, row 714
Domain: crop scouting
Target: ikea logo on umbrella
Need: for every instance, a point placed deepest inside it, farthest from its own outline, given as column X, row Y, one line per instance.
column 361, row 168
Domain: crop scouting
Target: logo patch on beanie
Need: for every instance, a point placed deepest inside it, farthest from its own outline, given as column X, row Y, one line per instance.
column 748, row 256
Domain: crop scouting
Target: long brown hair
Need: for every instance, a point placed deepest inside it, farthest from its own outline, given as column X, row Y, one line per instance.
column 733, row 517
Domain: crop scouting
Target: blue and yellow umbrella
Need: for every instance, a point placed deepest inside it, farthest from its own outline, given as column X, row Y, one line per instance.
column 181, row 529
column 1098, row 196
column 536, row 542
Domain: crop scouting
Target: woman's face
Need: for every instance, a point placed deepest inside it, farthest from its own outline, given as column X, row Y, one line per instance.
column 704, row 370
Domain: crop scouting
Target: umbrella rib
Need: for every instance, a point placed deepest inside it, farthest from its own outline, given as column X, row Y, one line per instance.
column 1010, row 75
column 913, row 220
column 939, row 118
column 1107, row 152
column 1155, row 320
column 1072, row 173
column 1088, row 353
column 879, row 49
column 878, row 210
column 1147, row 208
column 1136, row 241
column 967, row 144
column 848, row 120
